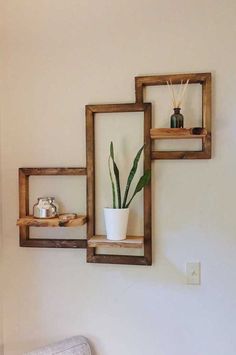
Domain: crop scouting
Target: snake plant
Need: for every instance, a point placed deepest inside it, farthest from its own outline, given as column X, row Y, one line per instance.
column 115, row 180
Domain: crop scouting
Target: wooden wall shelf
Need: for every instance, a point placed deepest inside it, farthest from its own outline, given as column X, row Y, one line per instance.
column 176, row 133
column 93, row 241
column 91, row 116
column 103, row 242
column 51, row 222
column 204, row 79
column 26, row 221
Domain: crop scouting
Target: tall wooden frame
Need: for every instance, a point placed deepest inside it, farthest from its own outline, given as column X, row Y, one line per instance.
column 91, row 111
column 202, row 78
column 25, row 240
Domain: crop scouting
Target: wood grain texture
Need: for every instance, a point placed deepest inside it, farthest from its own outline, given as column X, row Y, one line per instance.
column 204, row 79
column 151, row 80
column 24, row 222
column 166, row 155
column 118, row 259
column 91, row 111
column 102, row 241
column 54, row 171
column 23, row 203
column 111, row 108
column 51, row 222
column 54, row 243
column 176, row 133
column 206, row 115
column 90, row 158
column 147, row 198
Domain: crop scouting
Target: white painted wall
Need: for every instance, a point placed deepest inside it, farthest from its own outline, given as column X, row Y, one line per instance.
column 1, row 246
column 1, row 294
column 59, row 55
column 1, row 298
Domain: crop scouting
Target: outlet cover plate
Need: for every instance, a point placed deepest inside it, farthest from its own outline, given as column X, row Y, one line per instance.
column 193, row 273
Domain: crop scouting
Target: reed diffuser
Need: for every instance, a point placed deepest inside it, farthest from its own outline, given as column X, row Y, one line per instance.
column 177, row 119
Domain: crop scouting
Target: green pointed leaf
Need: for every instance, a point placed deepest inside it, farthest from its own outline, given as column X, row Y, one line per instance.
column 143, row 181
column 117, row 175
column 112, row 150
column 112, row 184
column 131, row 175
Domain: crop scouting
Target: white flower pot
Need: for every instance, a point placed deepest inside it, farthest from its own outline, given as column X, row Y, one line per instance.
column 116, row 221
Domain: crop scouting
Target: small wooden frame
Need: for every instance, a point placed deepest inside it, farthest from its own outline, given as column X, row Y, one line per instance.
column 202, row 78
column 25, row 221
column 92, row 257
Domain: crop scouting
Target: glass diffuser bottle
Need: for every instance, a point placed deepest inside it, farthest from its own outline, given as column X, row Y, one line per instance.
column 177, row 119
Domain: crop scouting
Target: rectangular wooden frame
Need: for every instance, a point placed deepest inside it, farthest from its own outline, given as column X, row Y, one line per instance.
column 202, row 78
column 91, row 110
column 25, row 240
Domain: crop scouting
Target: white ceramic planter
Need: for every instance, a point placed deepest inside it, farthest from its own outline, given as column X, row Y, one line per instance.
column 116, row 221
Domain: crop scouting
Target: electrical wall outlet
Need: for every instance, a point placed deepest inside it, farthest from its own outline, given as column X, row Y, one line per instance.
column 193, row 273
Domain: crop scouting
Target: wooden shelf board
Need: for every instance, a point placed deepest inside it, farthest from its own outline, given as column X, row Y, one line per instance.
column 175, row 133
column 129, row 242
column 30, row 221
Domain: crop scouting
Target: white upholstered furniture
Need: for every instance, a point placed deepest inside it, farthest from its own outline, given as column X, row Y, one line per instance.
column 77, row 345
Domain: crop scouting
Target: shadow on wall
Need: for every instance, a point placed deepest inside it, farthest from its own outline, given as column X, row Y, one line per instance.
column 93, row 352
column 99, row 350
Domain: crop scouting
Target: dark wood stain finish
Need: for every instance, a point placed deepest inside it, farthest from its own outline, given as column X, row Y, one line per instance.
column 54, row 171
column 91, row 111
column 204, row 79
column 23, row 204
column 25, row 240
